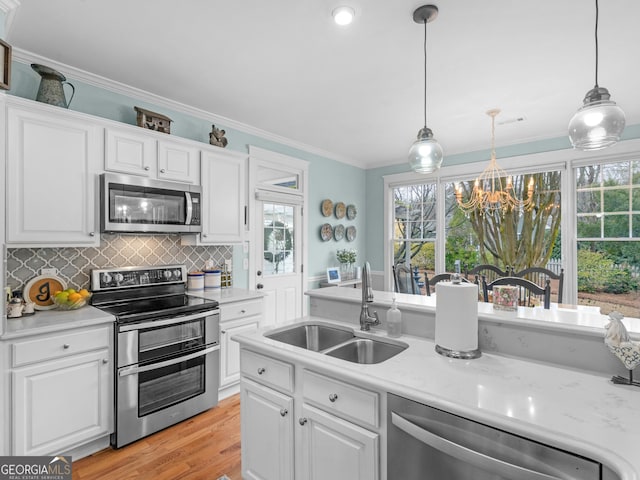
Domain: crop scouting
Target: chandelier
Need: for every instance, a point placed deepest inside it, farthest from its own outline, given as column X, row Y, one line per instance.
column 493, row 191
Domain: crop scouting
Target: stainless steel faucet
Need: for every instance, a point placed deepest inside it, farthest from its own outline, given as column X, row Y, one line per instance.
column 366, row 320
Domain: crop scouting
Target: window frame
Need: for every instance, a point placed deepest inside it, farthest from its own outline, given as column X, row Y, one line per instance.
column 564, row 161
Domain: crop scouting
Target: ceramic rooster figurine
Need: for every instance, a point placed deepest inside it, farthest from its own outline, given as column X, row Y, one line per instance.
column 618, row 341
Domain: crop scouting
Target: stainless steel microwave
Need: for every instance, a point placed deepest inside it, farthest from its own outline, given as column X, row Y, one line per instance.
column 141, row 205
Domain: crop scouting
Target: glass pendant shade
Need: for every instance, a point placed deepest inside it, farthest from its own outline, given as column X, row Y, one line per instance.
column 599, row 123
column 425, row 155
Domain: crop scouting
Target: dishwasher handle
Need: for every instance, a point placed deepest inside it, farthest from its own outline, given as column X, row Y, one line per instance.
column 467, row 455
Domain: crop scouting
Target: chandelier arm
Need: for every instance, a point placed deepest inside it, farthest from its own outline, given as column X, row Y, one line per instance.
column 425, row 73
column 596, row 35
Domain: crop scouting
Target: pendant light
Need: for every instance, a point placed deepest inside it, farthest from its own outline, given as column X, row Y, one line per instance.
column 599, row 122
column 425, row 155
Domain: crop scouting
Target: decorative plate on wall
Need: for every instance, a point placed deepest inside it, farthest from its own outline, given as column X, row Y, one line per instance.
column 338, row 232
column 326, row 207
column 326, row 232
column 351, row 212
column 40, row 289
column 341, row 209
column 351, row 233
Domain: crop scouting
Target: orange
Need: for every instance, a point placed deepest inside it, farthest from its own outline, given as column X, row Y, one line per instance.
column 75, row 297
column 84, row 293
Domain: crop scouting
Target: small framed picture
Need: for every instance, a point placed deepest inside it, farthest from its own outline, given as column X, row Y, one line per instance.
column 333, row 275
column 5, row 63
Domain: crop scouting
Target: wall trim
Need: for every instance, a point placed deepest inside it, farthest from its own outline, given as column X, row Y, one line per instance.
column 28, row 58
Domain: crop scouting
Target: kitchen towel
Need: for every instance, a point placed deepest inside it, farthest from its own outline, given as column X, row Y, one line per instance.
column 457, row 316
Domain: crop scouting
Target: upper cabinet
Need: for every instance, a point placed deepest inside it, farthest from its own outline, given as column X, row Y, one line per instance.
column 224, row 179
column 53, row 158
column 137, row 151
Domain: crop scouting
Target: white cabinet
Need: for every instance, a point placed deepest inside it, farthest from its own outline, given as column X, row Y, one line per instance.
column 61, row 390
column 136, row 151
column 266, row 426
column 336, row 449
column 53, row 157
column 236, row 317
column 334, row 433
column 223, row 196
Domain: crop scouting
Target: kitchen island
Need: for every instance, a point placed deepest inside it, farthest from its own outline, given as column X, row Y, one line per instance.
column 577, row 411
column 543, row 375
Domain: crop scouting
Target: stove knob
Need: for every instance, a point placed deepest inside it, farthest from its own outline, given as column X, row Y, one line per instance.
column 118, row 277
column 176, row 273
column 106, row 278
column 167, row 274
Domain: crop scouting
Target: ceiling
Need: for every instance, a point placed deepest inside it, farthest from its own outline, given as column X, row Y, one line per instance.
column 355, row 92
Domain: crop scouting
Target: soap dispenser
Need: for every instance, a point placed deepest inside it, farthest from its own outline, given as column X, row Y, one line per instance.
column 394, row 320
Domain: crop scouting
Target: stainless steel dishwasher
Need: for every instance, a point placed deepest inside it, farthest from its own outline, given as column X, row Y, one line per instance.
column 425, row 443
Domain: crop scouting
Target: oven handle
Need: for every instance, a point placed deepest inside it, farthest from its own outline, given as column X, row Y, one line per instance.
column 168, row 321
column 467, row 455
column 154, row 366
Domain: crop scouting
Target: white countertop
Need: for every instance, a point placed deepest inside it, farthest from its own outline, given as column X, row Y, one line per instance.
column 227, row 295
column 581, row 412
column 46, row 321
column 584, row 319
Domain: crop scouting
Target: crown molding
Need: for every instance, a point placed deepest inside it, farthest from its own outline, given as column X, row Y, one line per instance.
column 26, row 57
column 8, row 7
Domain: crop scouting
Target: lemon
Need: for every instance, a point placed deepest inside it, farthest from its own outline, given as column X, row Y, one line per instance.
column 84, row 292
column 74, row 297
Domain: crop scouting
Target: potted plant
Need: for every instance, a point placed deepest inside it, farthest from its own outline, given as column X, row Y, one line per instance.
column 347, row 259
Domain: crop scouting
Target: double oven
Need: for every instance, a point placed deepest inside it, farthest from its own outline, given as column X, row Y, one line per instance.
column 167, row 348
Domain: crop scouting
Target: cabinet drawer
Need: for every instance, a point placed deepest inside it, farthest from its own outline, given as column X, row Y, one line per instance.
column 267, row 371
column 341, row 398
column 59, row 345
column 231, row 311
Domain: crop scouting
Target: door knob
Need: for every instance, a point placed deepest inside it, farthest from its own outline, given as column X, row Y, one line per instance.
column 302, row 421
column 284, row 412
column 259, row 273
column 259, row 286
column 261, row 370
column 333, row 397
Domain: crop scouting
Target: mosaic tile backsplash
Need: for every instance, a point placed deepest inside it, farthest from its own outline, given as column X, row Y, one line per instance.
column 75, row 264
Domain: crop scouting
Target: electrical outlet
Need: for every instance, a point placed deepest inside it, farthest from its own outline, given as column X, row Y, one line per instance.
column 245, row 247
column 48, row 271
column 245, row 264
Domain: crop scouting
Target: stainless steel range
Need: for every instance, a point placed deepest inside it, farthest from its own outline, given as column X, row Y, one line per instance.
column 166, row 346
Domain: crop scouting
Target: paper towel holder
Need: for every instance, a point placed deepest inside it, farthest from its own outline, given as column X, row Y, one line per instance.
column 463, row 355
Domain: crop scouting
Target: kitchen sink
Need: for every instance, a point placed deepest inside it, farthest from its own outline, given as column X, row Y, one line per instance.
column 367, row 350
column 316, row 337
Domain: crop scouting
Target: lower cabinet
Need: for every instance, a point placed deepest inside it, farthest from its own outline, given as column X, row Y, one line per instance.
column 61, row 391
column 313, row 429
column 235, row 317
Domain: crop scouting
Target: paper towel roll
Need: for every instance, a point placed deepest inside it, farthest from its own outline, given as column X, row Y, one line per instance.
column 457, row 319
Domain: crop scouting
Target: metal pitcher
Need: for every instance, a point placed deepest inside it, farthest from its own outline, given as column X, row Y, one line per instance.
column 51, row 86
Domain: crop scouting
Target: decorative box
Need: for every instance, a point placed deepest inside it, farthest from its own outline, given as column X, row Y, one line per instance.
column 505, row 298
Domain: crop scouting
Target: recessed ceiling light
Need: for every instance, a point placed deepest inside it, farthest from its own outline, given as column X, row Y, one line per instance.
column 343, row 15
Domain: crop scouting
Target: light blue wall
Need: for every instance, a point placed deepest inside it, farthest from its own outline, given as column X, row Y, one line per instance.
column 327, row 178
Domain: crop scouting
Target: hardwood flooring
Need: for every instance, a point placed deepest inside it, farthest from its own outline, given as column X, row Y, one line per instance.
column 204, row 447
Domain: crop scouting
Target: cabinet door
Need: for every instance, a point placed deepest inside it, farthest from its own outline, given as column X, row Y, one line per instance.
column 130, row 152
column 58, row 405
column 336, row 449
column 230, row 351
column 178, row 162
column 52, row 164
column 223, row 196
column 266, row 423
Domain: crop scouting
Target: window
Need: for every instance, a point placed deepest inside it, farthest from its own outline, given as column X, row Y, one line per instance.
column 597, row 199
column 608, row 236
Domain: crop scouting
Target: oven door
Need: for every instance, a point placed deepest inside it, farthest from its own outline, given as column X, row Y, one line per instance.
column 154, row 396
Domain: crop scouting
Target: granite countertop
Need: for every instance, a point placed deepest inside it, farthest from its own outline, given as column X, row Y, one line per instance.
column 47, row 321
column 587, row 320
column 581, row 412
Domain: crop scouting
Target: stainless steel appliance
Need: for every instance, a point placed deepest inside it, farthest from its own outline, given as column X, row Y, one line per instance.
column 426, row 443
column 141, row 205
column 166, row 347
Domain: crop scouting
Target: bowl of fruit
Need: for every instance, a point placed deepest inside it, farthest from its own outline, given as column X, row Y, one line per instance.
column 71, row 299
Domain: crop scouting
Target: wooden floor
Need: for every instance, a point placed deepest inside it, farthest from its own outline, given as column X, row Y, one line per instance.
column 204, row 447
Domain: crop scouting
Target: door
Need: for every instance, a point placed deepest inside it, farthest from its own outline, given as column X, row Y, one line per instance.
column 278, row 185
column 336, row 449
column 266, row 422
column 279, row 274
